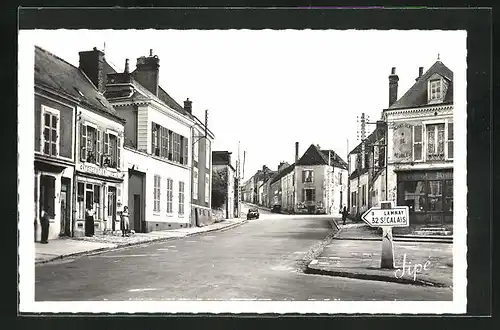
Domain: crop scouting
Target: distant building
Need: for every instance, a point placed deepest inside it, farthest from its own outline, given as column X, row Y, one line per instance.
column 321, row 182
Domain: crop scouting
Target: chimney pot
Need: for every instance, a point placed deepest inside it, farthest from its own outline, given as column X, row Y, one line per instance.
column 150, row 52
column 393, row 70
column 420, row 71
column 126, row 66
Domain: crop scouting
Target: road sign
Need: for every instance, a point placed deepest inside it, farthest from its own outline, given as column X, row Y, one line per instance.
column 387, row 216
column 395, row 216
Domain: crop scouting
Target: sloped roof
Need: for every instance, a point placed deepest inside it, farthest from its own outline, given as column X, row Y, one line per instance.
column 372, row 138
column 66, row 79
column 315, row 156
column 283, row 172
column 417, row 94
column 335, row 159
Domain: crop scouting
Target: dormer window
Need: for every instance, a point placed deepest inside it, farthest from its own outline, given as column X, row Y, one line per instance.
column 435, row 90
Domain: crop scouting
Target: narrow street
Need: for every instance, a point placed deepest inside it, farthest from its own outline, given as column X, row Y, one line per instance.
column 258, row 260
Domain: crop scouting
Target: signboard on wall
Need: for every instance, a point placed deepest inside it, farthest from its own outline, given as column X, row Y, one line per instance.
column 100, row 171
column 402, row 142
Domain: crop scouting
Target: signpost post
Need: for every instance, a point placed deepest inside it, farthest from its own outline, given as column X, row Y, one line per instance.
column 387, row 216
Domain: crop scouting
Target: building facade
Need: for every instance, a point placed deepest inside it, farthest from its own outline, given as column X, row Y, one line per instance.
column 201, row 197
column 55, row 117
column 321, row 182
column 420, row 146
column 221, row 163
column 157, row 148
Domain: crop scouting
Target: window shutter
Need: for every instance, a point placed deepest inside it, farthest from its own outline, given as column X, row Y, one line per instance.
column 312, row 176
column 106, row 145
column 118, row 152
column 98, row 148
column 83, row 142
column 152, row 138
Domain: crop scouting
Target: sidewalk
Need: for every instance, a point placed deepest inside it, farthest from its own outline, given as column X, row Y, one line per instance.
column 356, row 252
column 74, row 246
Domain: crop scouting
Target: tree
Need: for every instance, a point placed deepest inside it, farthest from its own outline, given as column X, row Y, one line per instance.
column 219, row 188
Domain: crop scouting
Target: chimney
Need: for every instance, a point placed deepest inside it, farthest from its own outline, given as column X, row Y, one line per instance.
column 147, row 72
column 393, row 87
column 188, row 105
column 92, row 64
column 127, row 69
column 420, row 72
column 296, row 152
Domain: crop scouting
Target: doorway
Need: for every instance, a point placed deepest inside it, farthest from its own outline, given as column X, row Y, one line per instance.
column 112, row 206
column 65, row 207
column 136, row 187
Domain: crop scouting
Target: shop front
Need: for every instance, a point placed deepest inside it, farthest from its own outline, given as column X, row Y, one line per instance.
column 53, row 195
column 98, row 199
column 428, row 194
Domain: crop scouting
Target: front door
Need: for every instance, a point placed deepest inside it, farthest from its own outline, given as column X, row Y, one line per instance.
column 65, row 208
column 111, row 216
column 137, row 213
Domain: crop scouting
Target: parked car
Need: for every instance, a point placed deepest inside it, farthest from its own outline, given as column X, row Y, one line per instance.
column 253, row 213
column 276, row 209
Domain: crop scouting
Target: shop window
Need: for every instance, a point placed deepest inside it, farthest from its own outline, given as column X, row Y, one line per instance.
column 413, row 195
column 156, row 193
column 50, row 136
column 417, row 142
column 435, row 195
column 435, row 142
column 47, row 194
column 170, row 196
column 448, row 195
column 450, row 141
column 181, row 197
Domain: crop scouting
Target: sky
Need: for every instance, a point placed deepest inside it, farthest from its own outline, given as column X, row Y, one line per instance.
column 267, row 89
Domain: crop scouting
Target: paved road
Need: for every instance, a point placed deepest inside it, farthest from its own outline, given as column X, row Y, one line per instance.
column 258, row 260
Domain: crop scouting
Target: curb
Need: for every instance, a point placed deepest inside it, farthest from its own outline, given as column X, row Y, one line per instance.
column 372, row 277
column 126, row 245
column 398, row 239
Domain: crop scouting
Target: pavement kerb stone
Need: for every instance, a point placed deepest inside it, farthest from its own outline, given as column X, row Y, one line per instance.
column 373, row 277
column 126, row 245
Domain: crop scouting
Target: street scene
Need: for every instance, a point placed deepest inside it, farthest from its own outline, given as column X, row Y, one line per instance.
column 307, row 174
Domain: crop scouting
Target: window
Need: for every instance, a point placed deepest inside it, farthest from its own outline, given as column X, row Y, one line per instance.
column 164, row 142
column 196, row 146
column 207, row 160
column 181, row 197
column 111, row 157
column 207, row 187
column 417, row 142
column 155, row 139
column 177, row 147
column 363, row 195
column 414, row 195
column 435, row 90
column 308, row 195
column 450, row 141
column 308, row 176
column 156, row 192
column 435, row 142
column 184, row 150
column 195, row 183
column 435, row 195
column 50, row 139
column 340, row 178
column 353, row 199
column 90, row 143
column 170, row 196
